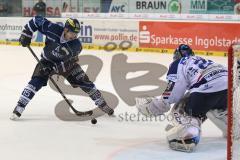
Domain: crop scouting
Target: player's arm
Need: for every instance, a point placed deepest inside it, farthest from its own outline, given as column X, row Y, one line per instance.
column 175, row 90
column 37, row 23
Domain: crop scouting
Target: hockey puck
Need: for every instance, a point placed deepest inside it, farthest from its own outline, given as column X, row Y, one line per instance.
column 93, row 121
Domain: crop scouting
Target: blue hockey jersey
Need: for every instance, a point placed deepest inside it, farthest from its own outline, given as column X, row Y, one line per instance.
column 56, row 49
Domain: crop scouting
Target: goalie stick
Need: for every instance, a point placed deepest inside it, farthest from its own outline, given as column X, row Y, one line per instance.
column 78, row 113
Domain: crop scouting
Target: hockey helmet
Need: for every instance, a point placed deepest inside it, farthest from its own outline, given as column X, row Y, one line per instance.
column 183, row 50
column 73, row 25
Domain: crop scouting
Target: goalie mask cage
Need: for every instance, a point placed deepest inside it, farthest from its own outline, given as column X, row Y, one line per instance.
column 233, row 142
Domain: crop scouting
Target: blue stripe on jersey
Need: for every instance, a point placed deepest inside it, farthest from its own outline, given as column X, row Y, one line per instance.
column 31, row 26
column 173, row 67
column 36, row 23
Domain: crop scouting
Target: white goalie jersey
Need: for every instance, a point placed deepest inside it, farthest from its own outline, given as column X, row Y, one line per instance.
column 194, row 74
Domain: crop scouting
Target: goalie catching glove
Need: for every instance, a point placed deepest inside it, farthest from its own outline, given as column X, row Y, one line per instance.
column 152, row 106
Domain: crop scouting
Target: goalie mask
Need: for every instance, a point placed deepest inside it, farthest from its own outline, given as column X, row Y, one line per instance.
column 183, row 50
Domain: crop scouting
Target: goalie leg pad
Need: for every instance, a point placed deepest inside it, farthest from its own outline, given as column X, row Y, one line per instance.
column 184, row 131
column 184, row 137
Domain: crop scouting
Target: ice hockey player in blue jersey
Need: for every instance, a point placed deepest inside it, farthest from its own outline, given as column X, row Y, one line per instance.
column 59, row 56
column 198, row 89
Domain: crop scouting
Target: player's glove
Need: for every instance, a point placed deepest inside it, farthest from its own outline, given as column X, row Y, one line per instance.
column 65, row 66
column 152, row 106
column 159, row 106
column 59, row 68
column 25, row 38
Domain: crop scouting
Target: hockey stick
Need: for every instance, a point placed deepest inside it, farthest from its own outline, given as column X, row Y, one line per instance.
column 79, row 113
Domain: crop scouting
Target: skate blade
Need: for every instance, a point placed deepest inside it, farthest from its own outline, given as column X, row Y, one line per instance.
column 14, row 117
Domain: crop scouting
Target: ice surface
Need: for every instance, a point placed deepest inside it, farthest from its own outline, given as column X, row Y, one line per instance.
column 41, row 135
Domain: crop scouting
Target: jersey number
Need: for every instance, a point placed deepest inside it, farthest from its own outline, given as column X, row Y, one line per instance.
column 202, row 63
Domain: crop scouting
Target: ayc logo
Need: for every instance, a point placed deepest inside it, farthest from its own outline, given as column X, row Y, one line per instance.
column 120, row 8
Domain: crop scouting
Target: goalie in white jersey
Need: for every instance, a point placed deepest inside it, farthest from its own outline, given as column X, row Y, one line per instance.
column 198, row 88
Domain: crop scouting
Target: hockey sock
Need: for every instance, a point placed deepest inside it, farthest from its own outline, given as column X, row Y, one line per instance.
column 28, row 93
column 96, row 96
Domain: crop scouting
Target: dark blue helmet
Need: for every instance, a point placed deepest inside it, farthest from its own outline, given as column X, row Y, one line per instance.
column 183, row 50
column 73, row 25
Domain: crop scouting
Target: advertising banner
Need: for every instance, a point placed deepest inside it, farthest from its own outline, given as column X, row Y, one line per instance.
column 92, row 32
column 220, row 7
column 114, row 31
column 194, row 6
column 55, row 8
column 116, row 6
column 201, row 36
column 170, row 6
column 52, row 9
column 154, row 6
column 89, row 6
column 207, row 6
column 135, row 34
column 11, row 28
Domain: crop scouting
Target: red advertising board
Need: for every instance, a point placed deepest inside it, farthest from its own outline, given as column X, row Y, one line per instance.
column 204, row 36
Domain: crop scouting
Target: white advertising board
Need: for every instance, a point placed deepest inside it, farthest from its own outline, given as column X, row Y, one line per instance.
column 92, row 32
